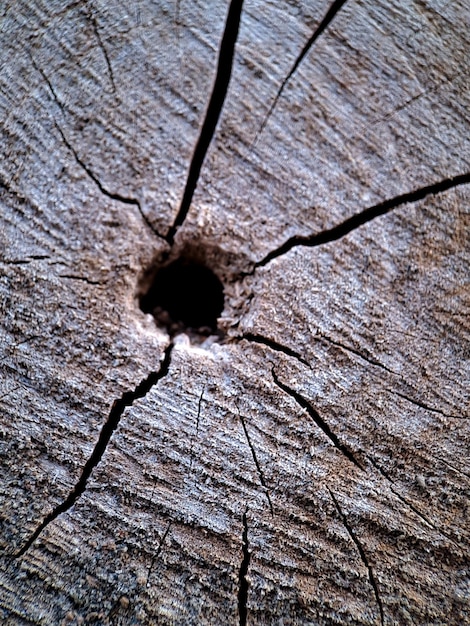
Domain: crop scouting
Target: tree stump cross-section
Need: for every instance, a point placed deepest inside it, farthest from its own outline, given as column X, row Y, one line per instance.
column 235, row 312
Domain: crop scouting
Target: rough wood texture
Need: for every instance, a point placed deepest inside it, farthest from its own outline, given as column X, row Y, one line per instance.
column 312, row 467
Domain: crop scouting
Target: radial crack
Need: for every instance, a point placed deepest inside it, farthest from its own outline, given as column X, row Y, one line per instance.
column 214, row 108
column 330, row 15
column 198, row 416
column 365, row 216
column 48, row 83
column 109, row 194
column 258, row 466
column 302, row 402
column 356, row 352
column 199, row 404
column 411, row 506
column 31, row 259
column 81, row 278
column 117, row 410
column 157, row 553
column 422, row 405
column 92, row 19
column 362, row 553
column 113, row 196
column 452, row 467
column 274, row 345
column 243, row 582
column 446, row 80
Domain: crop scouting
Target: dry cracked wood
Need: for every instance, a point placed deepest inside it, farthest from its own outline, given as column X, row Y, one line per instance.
column 310, row 466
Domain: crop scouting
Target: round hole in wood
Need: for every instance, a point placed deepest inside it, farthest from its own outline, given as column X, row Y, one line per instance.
column 185, row 295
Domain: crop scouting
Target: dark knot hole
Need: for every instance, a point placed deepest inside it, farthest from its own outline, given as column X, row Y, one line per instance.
column 185, row 295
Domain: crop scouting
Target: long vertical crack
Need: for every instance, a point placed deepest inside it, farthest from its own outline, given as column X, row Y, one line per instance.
column 330, row 15
column 362, row 554
column 214, row 108
column 255, row 459
column 319, row 421
column 365, row 216
column 242, row 576
column 117, row 410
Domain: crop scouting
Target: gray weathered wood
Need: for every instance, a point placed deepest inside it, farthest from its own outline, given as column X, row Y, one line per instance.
column 317, row 457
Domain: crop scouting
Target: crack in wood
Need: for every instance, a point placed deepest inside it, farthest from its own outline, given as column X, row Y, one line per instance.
column 274, row 345
column 109, row 194
column 198, row 416
column 34, row 257
column 81, row 278
column 412, row 507
column 338, row 344
column 87, row 170
column 199, row 404
column 367, row 215
column 214, row 108
column 319, row 421
column 242, row 576
column 326, row 21
column 426, row 91
column 427, row 520
column 426, row 407
column 56, row 99
column 157, row 553
column 94, row 23
column 362, row 554
column 452, row 467
column 117, row 410
column 255, row 459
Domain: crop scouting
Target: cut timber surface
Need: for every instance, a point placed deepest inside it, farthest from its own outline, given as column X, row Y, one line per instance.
column 311, row 466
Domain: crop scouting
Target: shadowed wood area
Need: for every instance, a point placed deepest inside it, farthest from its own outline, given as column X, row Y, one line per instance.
column 304, row 460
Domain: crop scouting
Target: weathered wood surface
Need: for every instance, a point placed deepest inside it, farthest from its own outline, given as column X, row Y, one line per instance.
column 315, row 471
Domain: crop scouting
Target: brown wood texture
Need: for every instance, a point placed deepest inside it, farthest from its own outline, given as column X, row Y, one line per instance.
column 311, row 466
